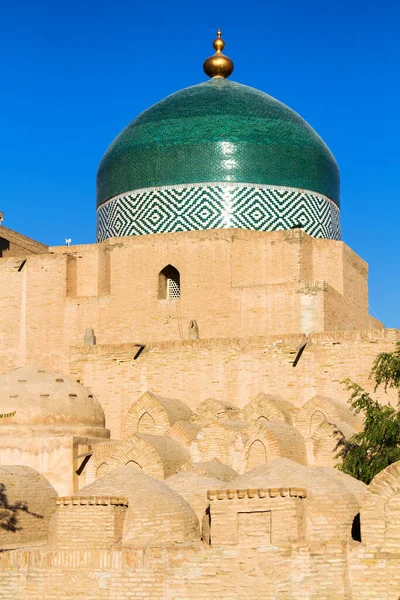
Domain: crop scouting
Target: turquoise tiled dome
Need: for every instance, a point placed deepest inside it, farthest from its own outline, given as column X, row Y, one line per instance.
column 218, row 131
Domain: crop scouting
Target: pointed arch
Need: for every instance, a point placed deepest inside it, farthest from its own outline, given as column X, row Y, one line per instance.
column 101, row 470
column 257, row 455
column 380, row 510
column 316, row 420
column 270, row 407
column 279, row 440
column 154, row 414
column 313, row 413
column 262, row 420
column 169, row 283
column 134, row 464
column 146, row 423
column 136, row 450
column 324, row 442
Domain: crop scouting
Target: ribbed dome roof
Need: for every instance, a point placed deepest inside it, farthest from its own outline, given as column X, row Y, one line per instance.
column 218, row 131
column 33, row 397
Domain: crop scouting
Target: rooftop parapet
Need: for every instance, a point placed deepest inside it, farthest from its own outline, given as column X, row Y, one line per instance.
column 89, row 521
column 229, row 494
column 91, row 501
column 257, row 517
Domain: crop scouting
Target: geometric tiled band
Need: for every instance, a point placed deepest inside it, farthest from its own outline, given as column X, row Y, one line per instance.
column 217, row 205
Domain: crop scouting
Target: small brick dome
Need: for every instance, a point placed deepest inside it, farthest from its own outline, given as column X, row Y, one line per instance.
column 332, row 500
column 156, row 515
column 33, row 398
column 27, row 503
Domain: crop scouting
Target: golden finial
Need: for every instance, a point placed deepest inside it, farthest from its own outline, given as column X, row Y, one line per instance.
column 218, row 65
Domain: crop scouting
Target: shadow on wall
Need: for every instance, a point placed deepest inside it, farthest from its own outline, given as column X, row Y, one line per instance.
column 4, row 246
column 9, row 512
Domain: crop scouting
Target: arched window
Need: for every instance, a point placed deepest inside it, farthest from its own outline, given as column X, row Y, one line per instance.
column 169, row 283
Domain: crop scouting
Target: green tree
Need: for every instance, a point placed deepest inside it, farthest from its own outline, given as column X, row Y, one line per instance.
column 368, row 452
column 386, row 369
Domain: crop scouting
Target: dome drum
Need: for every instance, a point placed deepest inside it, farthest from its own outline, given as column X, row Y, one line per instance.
column 218, row 206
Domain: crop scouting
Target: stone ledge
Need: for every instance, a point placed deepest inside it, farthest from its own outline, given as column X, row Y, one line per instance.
column 291, row 341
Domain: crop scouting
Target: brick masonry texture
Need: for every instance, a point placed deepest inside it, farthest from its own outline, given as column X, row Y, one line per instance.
column 190, row 466
column 234, row 283
column 187, row 370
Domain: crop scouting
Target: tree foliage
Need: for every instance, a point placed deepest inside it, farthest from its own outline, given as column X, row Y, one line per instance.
column 386, row 369
column 370, row 451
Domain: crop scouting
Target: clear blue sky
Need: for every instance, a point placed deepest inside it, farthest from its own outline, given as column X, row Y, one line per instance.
column 73, row 74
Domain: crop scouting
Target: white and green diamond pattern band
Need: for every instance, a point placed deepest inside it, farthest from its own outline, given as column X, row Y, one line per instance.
column 217, row 205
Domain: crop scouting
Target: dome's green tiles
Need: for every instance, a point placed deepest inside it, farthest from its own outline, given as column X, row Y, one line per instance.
column 218, row 131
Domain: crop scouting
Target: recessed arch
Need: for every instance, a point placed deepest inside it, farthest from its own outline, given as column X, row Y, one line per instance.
column 101, row 470
column 316, row 419
column 272, row 408
column 380, row 510
column 279, row 440
column 257, row 455
column 313, row 413
column 146, row 423
column 323, row 444
column 169, row 283
column 134, row 464
column 161, row 414
column 136, row 450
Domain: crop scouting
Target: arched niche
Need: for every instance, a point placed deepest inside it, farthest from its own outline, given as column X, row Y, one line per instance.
column 134, row 465
column 257, row 455
column 169, row 283
column 101, row 470
column 146, row 423
column 316, row 419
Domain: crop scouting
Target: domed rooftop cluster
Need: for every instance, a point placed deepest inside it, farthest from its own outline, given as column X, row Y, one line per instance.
column 189, row 162
column 198, row 454
column 163, row 436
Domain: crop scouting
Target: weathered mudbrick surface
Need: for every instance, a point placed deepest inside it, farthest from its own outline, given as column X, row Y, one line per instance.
column 171, row 405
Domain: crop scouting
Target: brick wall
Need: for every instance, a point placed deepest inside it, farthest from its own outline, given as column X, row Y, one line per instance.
column 233, row 283
column 256, row 518
column 88, row 521
column 231, row 370
column 201, row 572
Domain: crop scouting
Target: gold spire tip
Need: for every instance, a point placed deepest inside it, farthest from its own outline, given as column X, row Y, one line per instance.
column 218, row 65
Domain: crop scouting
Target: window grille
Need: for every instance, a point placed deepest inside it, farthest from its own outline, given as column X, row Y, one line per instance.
column 173, row 287
column 169, row 283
